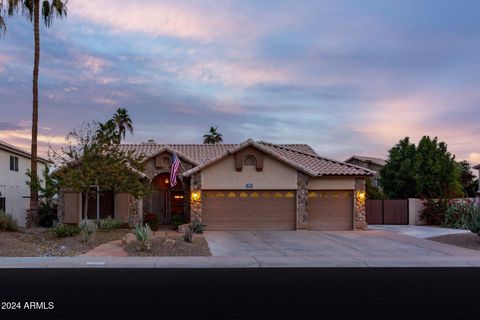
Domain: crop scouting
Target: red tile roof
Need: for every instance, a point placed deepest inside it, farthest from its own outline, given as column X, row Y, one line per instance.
column 300, row 156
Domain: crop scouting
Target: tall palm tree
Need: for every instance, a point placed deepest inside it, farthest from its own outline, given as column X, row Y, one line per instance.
column 31, row 9
column 213, row 136
column 123, row 122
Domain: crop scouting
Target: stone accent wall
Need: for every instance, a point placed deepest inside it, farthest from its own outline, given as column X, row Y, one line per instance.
column 302, row 200
column 134, row 211
column 360, row 212
column 196, row 206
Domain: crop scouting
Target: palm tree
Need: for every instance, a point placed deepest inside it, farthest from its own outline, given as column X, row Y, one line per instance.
column 31, row 8
column 213, row 136
column 123, row 122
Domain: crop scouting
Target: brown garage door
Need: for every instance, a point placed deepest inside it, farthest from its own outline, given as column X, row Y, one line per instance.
column 249, row 210
column 330, row 210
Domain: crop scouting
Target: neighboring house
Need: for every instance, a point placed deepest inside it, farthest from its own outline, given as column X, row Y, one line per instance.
column 14, row 192
column 375, row 164
column 254, row 185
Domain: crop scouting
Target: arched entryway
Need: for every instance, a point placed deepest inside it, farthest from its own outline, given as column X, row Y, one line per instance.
column 167, row 201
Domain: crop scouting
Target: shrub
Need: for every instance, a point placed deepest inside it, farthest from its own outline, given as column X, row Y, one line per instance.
column 434, row 211
column 152, row 220
column 88, row 228
column 474, row 224
column 7, row 222
column 459, row 214
column 197, row 226
column 143, row 234
column 177, row 219
column 65, row 230
column 187, row 236
column 47, row 214
column 109, row 224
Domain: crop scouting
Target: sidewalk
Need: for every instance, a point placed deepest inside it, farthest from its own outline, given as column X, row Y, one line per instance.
column 237, row 262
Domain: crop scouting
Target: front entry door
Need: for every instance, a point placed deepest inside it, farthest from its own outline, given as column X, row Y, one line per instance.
column 160, row 206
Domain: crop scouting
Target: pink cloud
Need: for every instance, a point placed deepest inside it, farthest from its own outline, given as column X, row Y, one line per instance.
column 202, row 21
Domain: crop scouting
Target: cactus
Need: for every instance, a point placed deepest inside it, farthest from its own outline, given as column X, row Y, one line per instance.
column 187, row 237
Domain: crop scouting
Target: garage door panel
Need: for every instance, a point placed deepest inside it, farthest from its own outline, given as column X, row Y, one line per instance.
column 330, row 210
column 249, row 210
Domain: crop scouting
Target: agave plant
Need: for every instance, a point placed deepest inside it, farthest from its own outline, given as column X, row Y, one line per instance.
column 143, row 233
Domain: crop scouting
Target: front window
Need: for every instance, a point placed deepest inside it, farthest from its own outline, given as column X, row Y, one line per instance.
column 13, row 163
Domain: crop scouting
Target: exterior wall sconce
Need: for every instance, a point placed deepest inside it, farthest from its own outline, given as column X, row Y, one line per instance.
column 361, row 197
column 166, row 181
column 195, row 196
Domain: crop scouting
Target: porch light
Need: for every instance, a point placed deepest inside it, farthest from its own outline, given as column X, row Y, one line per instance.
column 361, row 196
column 166, row 181
column 195, row 195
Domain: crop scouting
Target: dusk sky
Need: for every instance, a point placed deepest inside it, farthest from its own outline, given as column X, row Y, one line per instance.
column 346, row 77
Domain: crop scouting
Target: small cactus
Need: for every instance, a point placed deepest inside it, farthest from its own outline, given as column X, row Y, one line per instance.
column 187, row 236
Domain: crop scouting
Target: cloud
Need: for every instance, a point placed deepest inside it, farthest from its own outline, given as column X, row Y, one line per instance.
column 199, row 21
column 4, row 60
column 9, row 126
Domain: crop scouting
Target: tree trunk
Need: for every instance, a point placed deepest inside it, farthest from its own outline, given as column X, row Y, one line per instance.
column 32, row 218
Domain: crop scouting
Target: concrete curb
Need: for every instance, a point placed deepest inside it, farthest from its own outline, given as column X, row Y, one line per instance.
column 236, row 262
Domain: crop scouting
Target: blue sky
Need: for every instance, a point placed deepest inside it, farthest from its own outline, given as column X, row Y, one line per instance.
column 347, row 77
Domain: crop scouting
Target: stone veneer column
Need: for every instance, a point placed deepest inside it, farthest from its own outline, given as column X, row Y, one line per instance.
column 302, row 200
column 360, row 212
column 196, row 205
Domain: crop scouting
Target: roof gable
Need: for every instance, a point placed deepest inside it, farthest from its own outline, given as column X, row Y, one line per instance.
column 15, row 150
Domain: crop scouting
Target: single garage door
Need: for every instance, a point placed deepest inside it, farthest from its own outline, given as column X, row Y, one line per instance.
column 330, row 210
column 249, row 210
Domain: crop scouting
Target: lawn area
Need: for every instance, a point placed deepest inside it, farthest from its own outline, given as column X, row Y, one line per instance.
column 172, row 246
column 465, row 240
column 39, row 242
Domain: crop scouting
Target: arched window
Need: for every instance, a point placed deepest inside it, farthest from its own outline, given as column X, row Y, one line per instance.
column 166, row 161
column 249, row 161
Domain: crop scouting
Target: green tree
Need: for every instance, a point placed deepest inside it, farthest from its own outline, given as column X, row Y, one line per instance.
column 31, row 9
column 212, row 137
column 372, row 191
column 428, row 170
column 467, row 179
column 90, row 159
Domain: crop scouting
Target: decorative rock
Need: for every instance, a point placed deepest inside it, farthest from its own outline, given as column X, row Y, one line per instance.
column 183, row 227
column 128, row 238
column 169, row 242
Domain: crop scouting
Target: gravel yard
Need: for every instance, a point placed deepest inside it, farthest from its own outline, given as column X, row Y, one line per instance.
column 39, row 242
column 172, row 246
column 465, row 240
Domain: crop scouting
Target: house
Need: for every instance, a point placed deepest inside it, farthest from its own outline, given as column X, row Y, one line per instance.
column 375, row 164
column 14, row 192
column 253, row 185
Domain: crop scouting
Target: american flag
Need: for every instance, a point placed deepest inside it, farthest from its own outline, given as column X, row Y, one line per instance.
column 174, row 169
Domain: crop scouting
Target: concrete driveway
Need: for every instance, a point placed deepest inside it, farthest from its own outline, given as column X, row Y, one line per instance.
column 370, row 247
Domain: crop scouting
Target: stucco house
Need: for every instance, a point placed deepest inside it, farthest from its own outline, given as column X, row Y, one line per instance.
column 372, row 163
column 253, row 185
column 14, row 192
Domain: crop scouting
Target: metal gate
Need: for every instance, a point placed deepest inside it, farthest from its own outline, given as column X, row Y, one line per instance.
column 387, row 211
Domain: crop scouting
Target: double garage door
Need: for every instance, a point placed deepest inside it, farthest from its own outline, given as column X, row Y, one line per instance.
column 249, row 210
column 275, row 210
